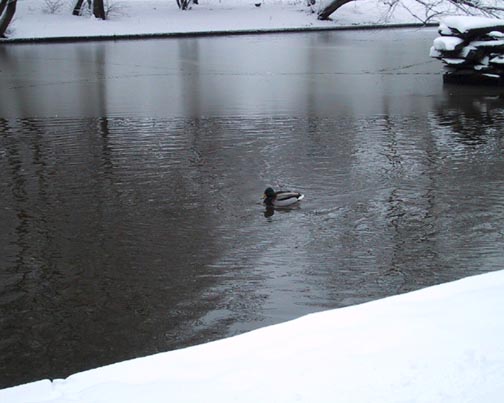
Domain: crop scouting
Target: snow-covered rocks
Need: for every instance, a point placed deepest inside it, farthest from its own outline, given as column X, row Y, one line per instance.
column 472, row 49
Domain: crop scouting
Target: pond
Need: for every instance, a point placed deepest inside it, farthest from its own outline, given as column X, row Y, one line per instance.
column 132, row 172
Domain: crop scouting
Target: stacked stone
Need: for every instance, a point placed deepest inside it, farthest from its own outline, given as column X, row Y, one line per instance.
column 472, row 50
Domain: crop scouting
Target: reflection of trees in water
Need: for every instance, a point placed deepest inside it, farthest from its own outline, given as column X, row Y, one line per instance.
column 100, row 229
column 406, row 218
column 27, row 248
column 154, row 225
column 413, row 258
column 444, row 207
column 471, row 113
column 17, row 100
column 192, row 91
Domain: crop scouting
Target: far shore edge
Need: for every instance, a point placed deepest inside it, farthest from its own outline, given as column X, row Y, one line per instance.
column 163, row 35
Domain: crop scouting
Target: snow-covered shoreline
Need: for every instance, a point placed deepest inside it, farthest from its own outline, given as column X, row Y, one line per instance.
column 250, row 31
column 129, row 19
column 439, row 344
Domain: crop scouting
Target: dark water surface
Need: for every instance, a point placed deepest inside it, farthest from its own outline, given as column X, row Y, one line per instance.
column 131, row 175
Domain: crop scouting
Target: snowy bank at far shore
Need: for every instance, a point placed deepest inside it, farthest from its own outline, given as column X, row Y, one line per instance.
column 34, row 20
column 440, row 344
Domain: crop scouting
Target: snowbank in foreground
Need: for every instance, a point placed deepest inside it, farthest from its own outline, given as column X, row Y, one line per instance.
column 134, row 17
column 440, row 344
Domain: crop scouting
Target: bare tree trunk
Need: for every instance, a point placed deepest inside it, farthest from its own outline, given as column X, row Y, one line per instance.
column 331, row 8
column 77, row 10
column 184, row 4
column 99, row 9
column 10, row 9
column 78, row 7
column 3, row 3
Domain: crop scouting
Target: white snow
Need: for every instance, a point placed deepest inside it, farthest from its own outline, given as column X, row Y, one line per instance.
column 434, row 52
column 488, row 44
column 447, row 43
column 497, row 59
column 482, row 64
column 453, row 60
column 133, row 17
column 440, row 344
column 496, row 35
column 444, row 30
column 465, row 24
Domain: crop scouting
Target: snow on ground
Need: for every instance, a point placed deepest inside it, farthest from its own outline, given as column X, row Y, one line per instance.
column 440, row 344
column 134, row 17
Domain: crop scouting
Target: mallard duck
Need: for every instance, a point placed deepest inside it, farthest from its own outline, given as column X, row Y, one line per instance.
column 282, row 198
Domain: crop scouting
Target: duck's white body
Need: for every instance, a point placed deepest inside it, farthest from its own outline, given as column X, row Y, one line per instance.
column 285, row 199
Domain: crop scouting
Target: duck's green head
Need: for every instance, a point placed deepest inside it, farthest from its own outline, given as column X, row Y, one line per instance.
column 269, row 192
